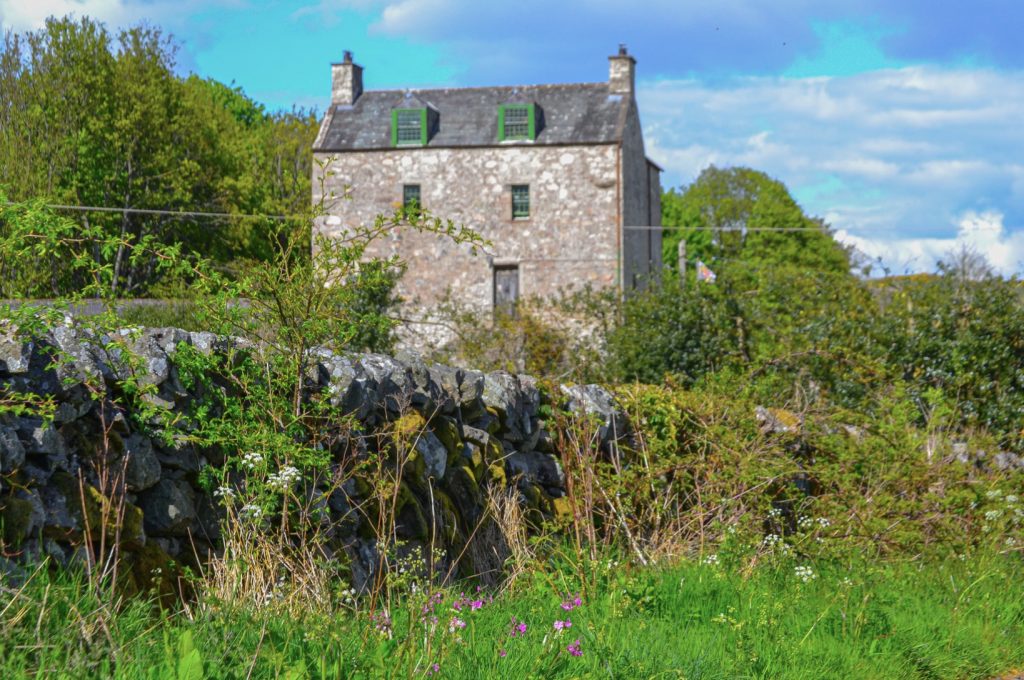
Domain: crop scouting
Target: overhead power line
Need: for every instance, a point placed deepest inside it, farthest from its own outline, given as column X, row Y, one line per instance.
column 168, row 213
column 725, row 229
column 244, row 216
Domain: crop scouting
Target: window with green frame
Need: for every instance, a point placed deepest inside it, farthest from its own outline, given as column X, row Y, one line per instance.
column 409, row 127
column 411, row 197
column 517, row 121
column 520, row 201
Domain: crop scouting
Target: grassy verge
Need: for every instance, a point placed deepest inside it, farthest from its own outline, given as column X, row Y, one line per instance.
column 953, row 619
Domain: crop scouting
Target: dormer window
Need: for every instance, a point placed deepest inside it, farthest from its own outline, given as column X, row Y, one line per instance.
column 409, row 127
column 517, row 122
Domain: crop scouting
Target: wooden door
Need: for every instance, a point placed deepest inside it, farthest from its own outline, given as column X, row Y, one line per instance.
column 506, row 289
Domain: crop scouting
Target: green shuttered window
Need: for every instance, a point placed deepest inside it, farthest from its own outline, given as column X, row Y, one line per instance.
column 517, row 121
column 409, row 127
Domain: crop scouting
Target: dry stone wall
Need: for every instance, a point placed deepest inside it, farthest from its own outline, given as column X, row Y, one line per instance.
column 477, row 432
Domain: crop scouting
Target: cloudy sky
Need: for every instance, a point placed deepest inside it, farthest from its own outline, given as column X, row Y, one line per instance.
column 901, row 122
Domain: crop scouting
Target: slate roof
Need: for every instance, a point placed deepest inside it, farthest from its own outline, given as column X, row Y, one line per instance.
column 583, row 113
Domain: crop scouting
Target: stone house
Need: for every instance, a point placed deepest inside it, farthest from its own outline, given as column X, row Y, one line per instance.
column 555, row 176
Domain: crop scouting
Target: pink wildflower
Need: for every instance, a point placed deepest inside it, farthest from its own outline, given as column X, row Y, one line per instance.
column 502, row 653
column 475, row 604
column 562, row 625
column 574, row 649
column 569, row 605
column 456, row 624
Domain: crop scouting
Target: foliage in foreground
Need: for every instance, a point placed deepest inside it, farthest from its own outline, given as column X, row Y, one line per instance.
column 786, row 619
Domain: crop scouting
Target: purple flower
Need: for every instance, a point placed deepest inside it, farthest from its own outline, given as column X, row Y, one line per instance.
column 456, row 624
column 569, row 605
column 475, row 604
column 502, row 653
column 563, row 625
column 574, row 649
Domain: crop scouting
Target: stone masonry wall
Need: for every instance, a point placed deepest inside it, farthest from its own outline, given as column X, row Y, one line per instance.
column 641, row 260
column 570, row 238
column 476, row 432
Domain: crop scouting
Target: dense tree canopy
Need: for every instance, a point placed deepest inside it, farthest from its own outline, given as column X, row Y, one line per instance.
column 737, row 214
column 88, row 118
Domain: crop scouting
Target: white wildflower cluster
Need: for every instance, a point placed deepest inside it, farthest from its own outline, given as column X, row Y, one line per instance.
column 774, row 513
column 710, row 560
column 993, row 494
column 225, row 492
column 805, row 573
column 252, row 459
column 847, row 582
column 1011, row 541
column 775, row 542
column 993, row 515
column 251, row 511
column 349, row 596
column 806, row 522
column 284, row 478
column 1011, row 499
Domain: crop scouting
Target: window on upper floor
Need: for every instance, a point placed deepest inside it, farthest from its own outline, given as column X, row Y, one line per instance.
column 520, row 201
column 409, row 127
column 517, row 121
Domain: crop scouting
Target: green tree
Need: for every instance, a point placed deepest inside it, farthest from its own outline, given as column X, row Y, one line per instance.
column 94, row 119
column 743, row 214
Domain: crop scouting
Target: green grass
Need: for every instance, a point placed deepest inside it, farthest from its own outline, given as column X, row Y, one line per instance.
column 956, row 619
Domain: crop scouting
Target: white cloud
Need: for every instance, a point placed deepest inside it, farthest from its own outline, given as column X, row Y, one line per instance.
column 19, row 15
column 983, row 233
column 22, row 15
column 895, row 159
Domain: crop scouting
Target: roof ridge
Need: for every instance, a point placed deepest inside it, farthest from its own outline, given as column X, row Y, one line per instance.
column 481, row 87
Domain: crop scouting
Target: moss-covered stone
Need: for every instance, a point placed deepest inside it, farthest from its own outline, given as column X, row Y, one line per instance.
column 464, row 489
column 496, row 475
column 104, row 514
column 408, row 426
column 561, row 508
column 493, row 424
column 472, row 456
column 493, row 452
column 410, row 523
column 451, row 522
column 16, row 519
column 533, row 496
column 151, row 570
column 447, row 430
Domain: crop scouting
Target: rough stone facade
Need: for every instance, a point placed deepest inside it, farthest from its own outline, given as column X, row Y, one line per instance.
column 594, row 195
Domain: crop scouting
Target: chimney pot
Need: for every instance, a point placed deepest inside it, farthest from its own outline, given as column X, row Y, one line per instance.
column 621, row 72
column 346, row 81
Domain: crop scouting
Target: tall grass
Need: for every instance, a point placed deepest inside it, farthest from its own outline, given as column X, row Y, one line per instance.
column 953, row 619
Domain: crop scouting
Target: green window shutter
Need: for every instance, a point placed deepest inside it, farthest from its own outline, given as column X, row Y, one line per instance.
column 423, row 126
column 501, row 123
column 394, row 127
column 532, row 116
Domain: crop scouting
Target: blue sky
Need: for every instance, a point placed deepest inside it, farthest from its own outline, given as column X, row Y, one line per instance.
column 899, row 122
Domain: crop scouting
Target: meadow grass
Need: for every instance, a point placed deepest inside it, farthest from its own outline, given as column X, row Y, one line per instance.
column 950, row 619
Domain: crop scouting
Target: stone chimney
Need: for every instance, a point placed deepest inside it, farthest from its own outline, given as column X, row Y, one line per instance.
column 346, row 81
column 621, row 72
